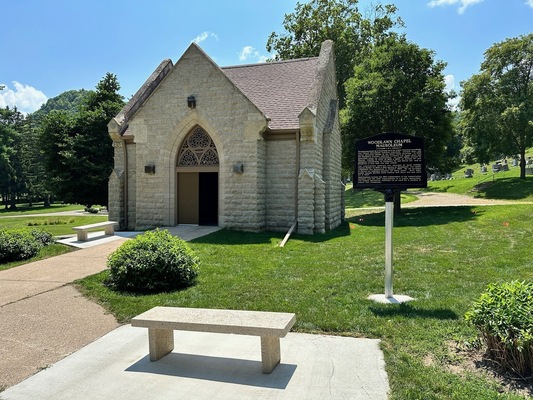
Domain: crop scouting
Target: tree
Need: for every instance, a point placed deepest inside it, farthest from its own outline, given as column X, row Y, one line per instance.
column 497, row 103
column 77, row 149
column 12, row 181
column 399, row 87
column 339, row 20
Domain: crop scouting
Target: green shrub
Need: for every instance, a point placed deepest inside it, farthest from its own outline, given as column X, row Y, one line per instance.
column 152, row 262
column 45, row 238
column 92, row 210
column 18, row 244
column 504, row 316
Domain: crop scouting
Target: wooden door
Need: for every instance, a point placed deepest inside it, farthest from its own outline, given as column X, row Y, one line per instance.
column 188, row 192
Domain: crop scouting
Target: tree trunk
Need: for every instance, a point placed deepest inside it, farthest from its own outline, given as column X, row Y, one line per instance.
column 523, row 163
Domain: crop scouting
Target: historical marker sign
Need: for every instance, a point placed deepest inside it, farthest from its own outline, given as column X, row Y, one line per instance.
column 390, row 161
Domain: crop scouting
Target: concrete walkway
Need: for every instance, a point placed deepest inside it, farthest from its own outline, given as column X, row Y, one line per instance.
column 56, row 344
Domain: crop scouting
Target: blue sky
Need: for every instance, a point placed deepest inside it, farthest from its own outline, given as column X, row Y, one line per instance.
column 48, row 47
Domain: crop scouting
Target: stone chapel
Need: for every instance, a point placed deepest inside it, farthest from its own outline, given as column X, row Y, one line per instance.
column 250, row 147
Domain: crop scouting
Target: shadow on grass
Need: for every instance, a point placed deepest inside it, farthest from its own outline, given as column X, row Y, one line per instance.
column 407, row 310
column 508, row 189
column 230, row 237
column 421, row 216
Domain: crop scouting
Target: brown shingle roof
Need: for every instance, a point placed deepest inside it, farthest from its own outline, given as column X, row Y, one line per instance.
column 279, row 89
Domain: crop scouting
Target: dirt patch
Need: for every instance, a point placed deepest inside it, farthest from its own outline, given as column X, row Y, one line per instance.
column 473, row 360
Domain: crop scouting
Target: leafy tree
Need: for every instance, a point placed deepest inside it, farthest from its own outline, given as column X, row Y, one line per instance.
column 399, row 87
column 35, row 176
column 77, row 150
column 497, row 103
column 339, row 20
column 11, row 167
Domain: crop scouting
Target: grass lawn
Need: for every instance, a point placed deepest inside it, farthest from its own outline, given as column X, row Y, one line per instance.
column 444, row 257
column 39, row 208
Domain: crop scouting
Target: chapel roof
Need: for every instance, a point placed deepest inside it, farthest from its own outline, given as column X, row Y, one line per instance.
column 279, row 89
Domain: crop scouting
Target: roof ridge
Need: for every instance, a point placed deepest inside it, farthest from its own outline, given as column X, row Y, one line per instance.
column 269, row 63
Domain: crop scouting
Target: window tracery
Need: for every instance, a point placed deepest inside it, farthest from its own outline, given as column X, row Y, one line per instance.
column 198, row 149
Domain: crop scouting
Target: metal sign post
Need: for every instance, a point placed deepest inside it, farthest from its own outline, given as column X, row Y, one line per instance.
column 389, row 222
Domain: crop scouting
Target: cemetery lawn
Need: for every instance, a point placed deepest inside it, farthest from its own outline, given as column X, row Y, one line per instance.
column 503, row 185
column 443, row 256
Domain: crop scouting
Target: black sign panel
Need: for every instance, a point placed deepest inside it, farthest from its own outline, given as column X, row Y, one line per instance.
column 390, row 161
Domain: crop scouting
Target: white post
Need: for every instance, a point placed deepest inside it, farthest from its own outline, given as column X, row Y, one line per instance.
column 389, row 221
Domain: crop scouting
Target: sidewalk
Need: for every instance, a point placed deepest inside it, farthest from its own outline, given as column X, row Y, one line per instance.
column 82, row 353
column 43, row 318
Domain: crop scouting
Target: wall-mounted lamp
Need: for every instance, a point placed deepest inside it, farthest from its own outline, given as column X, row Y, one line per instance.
column 149, row 169
column 238, row 168
column 191, row 102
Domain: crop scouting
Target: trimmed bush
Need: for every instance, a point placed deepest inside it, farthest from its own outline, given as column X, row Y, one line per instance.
column 45, row 238
column 21, row 244
column 153, row 262
column 504, row 316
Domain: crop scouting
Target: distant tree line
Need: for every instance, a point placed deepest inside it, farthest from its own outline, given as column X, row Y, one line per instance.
column 61, row 151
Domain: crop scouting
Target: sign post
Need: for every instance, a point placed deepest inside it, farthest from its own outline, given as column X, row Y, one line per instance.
column 390, row 162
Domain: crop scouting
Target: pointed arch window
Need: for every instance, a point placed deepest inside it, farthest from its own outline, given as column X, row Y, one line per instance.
column 198, row 149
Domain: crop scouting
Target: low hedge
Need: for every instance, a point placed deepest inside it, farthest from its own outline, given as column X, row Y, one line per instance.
column 22, row 244
column 504, row 317
column 152, row 262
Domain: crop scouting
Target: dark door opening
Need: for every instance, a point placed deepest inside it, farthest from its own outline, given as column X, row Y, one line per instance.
column 208, row 198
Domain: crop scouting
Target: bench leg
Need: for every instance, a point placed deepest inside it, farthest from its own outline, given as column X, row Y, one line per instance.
column 110, row 230
column 82, row 236
column 270, row 353
column 161, row 342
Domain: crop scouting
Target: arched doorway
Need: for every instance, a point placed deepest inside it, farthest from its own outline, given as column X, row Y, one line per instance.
column 197, row 180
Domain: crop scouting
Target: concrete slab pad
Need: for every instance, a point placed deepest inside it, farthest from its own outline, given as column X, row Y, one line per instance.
column 210, row 365
column 395, row 299
column 95, row 239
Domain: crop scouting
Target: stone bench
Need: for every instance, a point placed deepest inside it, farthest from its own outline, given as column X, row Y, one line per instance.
column 84, row 229
column 162, row 321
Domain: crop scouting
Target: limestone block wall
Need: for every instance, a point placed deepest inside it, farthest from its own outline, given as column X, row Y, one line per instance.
column 281, row 184
column 115, row 204
column 244, row 195
column 132, row 186
column 306, row 202
column 327, row 124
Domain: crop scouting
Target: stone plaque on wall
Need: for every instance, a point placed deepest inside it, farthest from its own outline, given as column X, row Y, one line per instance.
column 390, row 161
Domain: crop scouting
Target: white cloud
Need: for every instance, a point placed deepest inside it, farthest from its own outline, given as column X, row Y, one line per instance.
column 249, row 53
column 26, row 98
column 463, row 4
column 449, row 81
column 529, row 3
column 204, row 36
